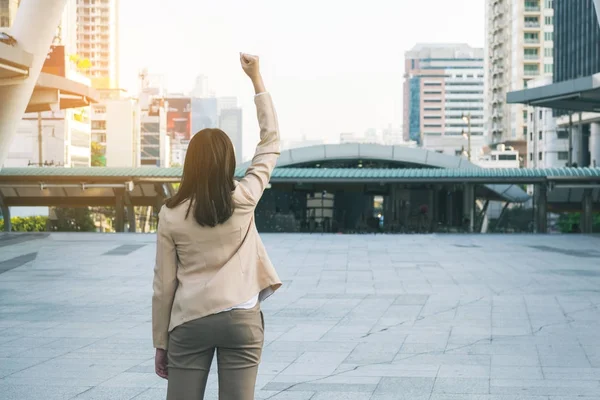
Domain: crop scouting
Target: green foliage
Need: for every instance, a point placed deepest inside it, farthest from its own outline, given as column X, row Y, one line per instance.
column 98, row 155
column 570, row 222
column 73, row 220
column 26, row 224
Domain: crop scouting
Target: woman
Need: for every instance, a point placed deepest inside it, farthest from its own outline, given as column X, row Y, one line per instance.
column 212, row 270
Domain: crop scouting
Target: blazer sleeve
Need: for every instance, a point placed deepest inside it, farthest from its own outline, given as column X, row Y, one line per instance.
column 165, row 284
column 267, row 152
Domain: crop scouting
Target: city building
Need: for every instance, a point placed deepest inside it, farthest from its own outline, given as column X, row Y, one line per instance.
column 8, row 11
column 116, row 128
column 520, row 41
column 547, row 145
column 500, row 157
column 574, row 92
column 97, row 40
column 204, row 113
column 444, row 97
column 230, row 122
column 226, row 103
column 201, row 88
column 155, row 144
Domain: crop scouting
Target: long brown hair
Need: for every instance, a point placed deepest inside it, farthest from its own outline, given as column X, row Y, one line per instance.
column 207, row 180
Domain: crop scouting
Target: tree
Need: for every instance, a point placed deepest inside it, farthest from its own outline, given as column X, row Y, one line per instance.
column 73, row 220
column 26, row 224
column 98, row 155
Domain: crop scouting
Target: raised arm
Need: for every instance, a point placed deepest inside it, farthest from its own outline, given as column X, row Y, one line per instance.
column 265, row 157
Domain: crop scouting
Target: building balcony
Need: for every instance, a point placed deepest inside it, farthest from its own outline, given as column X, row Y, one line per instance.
column 529, row 72
column 532, row 41
column 532, row 25
column 532, row 9
column 531, row 57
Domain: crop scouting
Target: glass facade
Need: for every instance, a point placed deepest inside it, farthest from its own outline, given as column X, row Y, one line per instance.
column 415, row 109
column 576, row 39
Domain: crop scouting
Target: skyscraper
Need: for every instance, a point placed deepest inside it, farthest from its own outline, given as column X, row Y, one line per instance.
column 443, row 83
column 577, row 40
column 520, row 41
column 230, row 121
column 97, row 40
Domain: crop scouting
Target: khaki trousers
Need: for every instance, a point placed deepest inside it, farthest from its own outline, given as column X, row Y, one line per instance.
column 237, row 336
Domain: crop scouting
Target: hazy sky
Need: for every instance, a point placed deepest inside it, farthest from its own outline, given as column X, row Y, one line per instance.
column 332, row 66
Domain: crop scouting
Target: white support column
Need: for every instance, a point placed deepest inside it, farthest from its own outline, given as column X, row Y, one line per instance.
column 34, row 28
column 595, row 144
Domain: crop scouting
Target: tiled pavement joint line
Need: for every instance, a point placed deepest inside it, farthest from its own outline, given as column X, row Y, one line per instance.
column 434, row 381
column 16, row 262
column 124, row 250
column 12, row 239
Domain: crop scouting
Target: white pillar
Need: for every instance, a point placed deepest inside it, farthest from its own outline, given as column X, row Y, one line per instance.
column 595, row 144
column 34, row 28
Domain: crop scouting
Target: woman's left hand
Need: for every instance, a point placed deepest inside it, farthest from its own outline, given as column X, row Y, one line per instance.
column 160, row 364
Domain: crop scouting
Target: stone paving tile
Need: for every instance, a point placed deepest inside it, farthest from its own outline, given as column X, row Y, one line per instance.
column 359, row 317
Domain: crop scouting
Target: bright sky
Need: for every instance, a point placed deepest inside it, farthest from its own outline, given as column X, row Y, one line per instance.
column 332, row 66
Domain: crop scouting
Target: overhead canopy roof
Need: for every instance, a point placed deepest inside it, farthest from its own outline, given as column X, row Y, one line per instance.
column 581, row 94
column 56, row 92
column 284, row 174
column 142, row 186
column 14, row 62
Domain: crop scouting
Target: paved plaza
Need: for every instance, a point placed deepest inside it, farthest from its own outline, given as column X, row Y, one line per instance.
column 421, row 317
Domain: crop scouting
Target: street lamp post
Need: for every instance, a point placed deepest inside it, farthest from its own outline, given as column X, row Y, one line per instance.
column 467, row 119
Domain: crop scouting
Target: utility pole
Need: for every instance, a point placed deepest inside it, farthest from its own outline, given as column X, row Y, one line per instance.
column 40, row 137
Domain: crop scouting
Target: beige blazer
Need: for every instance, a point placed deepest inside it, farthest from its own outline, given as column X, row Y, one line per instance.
column 201, row 270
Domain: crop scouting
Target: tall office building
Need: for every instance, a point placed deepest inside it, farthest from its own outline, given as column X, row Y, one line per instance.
column 8, row 10
column 577, row 54
column 116, row 128
column 230, row 122
column 577, row 40
column 443, row 88
column 204, row 114
column 97, row 40
column 520, row 41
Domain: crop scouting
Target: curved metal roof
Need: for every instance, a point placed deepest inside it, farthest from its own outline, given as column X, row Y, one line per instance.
column 354, row 151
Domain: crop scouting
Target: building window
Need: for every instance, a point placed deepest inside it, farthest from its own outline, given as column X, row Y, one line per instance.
column 549, row 20
column 432, row 117
column 540, row 135
column 563, row 155
column 530, row 156
column 548, row 36
column 541, row 114
column 507, row 157
column 432, row 101
column 525, row 131
column 99, row 125
column 540, row 156
column 524, row 115
column 432, row 92
column 549, row 3
column 548, row 52
column 531, row 69
column 432, row 126
column 547, row 68
column 562, row 134
column 432, row 109
column 531, row 37
column 531, row 136
column 433, row 84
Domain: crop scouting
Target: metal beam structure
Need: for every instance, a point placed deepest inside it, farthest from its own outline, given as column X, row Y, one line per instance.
column 33, row 29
